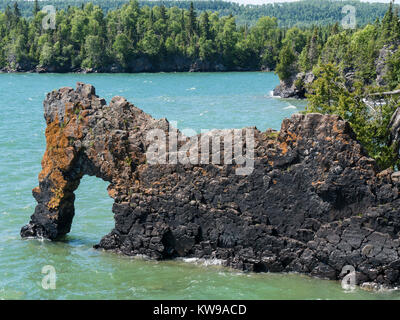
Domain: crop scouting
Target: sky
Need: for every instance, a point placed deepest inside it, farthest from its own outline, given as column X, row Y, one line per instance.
column 272, row 1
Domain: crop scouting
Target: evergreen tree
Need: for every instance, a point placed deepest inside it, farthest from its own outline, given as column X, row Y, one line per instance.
column 335, row 29
column 36, row 8
column 286, row 67
column 205, row 25
column 192, row 20
column 388, row 22
column 17, row 12
column 163, row 13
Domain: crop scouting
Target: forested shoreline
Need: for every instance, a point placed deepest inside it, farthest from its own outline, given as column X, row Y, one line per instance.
column 137, row 38
column 303, row 13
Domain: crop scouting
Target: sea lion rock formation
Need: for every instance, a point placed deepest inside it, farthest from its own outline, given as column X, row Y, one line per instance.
column 313, row 203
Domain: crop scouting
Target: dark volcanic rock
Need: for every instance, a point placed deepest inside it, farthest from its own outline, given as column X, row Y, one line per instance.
column 313, row 203
column 294, row 87
column 381, row 62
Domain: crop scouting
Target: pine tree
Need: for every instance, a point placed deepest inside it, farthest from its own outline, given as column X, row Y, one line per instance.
column 286, row 67
column 151, row 17
column 163, row 13
column 205, row 25
column 192, row 20
column 396, row 24
column 36, row 8
column 17, row 12
column 335, row 29
column 387, row 23
column 313, row 52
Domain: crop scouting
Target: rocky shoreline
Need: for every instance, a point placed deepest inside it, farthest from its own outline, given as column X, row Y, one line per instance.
column 314, row 202
column 142, row 64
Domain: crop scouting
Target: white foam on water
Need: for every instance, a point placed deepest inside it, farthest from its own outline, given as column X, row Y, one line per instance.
column 42, row 239
column 213, row 262
column 190, row 89
column 290, row 107
column 167, row 99
column 374, row 287
column 204, row 262
column 271, row 95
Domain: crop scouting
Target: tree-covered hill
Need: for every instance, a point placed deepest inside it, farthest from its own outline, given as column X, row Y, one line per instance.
column 301, row 13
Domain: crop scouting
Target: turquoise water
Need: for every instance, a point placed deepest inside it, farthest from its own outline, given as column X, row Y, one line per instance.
column 197, row 101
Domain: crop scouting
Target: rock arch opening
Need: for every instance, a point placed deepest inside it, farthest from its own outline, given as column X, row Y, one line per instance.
column 93, row 216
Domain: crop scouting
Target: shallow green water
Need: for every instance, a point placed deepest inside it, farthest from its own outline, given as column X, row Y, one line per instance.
column 197, row 101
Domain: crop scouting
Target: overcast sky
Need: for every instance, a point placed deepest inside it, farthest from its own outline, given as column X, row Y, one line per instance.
column 270, row 1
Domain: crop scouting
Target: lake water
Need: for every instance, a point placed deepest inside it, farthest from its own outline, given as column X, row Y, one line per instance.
column 193, row 100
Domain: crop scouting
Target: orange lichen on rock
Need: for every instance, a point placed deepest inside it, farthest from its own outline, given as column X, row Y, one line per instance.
column 59, row 155
column 54, row 156
column 290, row 140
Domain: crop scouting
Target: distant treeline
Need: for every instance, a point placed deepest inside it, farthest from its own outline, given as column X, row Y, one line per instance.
column 301, row 13
column 137, row 39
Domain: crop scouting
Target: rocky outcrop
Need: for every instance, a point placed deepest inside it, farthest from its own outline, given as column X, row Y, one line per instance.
column 313, row 203
column 295, row 87
column 381, row 62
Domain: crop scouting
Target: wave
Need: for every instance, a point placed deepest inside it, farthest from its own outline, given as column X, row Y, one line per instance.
column 271, row 95
column 205, row 262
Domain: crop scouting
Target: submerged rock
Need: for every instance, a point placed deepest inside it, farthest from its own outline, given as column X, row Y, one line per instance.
column 313, row 202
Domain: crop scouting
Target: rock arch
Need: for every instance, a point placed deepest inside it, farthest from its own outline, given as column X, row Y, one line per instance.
column 84, row 136
column 313, row 203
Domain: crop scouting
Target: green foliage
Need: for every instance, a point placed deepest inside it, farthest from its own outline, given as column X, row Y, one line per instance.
column 329, row 95
column 85, row 37
column 122, row 48
column 287, row 63
column 310, row 53
column 393, row 75
column 93, row 49
column 304, row 13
